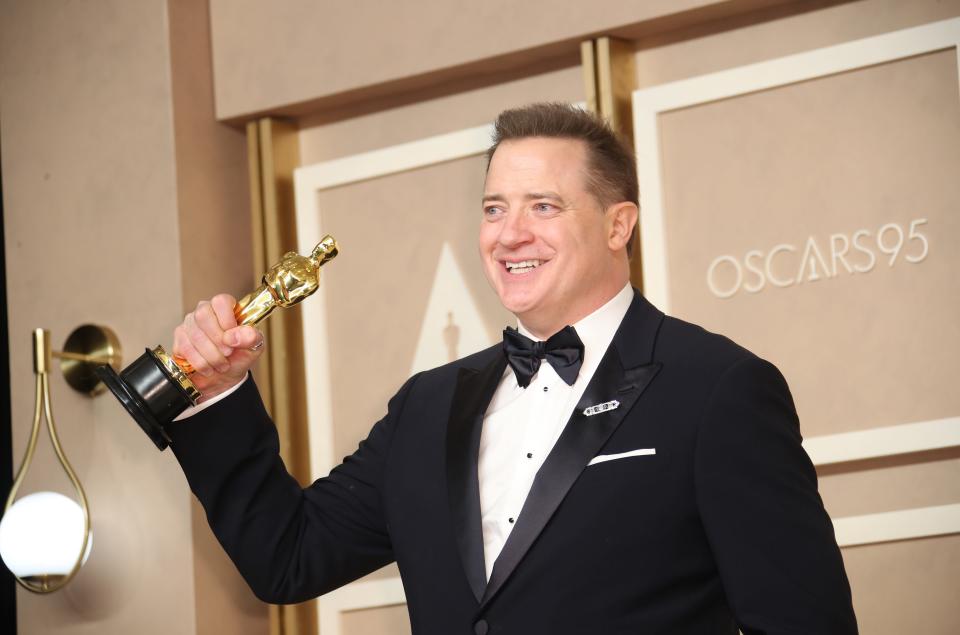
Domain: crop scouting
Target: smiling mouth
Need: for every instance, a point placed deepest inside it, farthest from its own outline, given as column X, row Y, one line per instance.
column 522, row 266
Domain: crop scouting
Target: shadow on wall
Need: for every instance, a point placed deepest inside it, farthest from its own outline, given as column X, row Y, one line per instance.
column 8, row 597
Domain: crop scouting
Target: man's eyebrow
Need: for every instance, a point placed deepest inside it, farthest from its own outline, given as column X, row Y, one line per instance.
column 545, row 194
column 529, row 196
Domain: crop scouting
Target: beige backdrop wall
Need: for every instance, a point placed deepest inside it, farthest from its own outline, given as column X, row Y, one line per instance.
column 124, row 201
column 90, row 210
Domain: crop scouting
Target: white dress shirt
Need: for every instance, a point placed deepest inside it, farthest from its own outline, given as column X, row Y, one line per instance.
column 192, row 410
column 521, row 425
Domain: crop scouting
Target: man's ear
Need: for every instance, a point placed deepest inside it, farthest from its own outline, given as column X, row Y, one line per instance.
column 621, row 219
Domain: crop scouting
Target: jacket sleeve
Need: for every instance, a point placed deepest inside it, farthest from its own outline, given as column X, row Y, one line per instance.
column 290, row 544
column 757, row 494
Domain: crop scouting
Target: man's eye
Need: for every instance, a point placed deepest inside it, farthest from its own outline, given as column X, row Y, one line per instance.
column 491, row 210
column 544, row 207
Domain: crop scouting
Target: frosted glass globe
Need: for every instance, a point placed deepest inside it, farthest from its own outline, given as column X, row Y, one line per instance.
column 41, row 535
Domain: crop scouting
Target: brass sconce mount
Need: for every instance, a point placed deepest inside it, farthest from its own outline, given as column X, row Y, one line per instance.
column 31, row 563
column 87, row 347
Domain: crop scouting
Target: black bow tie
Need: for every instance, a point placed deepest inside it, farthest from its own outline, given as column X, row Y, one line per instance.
column 564, row 351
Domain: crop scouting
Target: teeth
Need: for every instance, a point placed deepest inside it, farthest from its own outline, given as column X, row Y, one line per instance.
column 523, row 266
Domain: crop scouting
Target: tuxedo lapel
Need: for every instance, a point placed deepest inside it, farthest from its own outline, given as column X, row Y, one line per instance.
column 623, row 374
column 473, row 393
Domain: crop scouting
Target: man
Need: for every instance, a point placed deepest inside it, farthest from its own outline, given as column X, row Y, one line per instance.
column 631, row 474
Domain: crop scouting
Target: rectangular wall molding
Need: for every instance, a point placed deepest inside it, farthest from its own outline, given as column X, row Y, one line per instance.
column 884, row 441
column 904, row 524
column 649, row 103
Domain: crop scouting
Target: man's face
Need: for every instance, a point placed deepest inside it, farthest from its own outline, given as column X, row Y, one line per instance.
column 544, row 239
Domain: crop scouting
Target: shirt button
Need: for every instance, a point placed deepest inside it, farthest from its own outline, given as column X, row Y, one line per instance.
column 546, row 388
column 481, row 627
column 529, row 455
column 510, row 520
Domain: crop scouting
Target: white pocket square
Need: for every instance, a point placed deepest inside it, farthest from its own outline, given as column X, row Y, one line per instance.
column 600, row 458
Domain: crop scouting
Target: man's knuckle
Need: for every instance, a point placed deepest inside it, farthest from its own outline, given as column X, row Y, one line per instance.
column 202, row 319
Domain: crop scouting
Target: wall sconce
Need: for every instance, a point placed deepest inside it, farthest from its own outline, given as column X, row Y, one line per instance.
column 45, row 537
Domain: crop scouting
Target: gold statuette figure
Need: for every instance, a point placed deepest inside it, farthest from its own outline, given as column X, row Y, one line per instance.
column 156, row 387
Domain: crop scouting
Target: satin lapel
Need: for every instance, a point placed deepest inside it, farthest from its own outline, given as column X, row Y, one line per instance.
column 583, row 436
column 474, row 390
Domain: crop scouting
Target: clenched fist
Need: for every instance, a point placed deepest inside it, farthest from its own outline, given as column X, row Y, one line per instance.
column 220, row 351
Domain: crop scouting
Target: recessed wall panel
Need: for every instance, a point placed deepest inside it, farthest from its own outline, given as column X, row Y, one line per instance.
column 406, row 238
column 816, row 224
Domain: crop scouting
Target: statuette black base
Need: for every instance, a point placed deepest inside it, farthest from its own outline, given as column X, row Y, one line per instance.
column 148, row 392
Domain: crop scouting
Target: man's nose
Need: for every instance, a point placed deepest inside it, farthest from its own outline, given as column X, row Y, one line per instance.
column 515, row 230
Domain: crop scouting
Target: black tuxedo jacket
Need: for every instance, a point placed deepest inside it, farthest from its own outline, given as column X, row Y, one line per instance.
column 721, row 528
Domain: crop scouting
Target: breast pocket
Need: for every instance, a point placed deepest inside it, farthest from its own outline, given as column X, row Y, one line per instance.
column 650, row 454
column 627, row 463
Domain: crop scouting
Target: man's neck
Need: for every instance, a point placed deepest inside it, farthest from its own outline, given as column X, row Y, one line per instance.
column 543, row 330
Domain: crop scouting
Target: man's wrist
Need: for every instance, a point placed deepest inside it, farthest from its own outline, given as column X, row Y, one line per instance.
column 192, row 410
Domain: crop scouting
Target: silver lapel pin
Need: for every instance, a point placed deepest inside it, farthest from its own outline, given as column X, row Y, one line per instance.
column 601, row 407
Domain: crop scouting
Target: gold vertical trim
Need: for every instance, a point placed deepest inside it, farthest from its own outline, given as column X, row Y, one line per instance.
column 256, row 192
column 616, row 81
column 610, row 77
column 269, row 221
column 274, row 153
column 588, row 65
column 260, row 261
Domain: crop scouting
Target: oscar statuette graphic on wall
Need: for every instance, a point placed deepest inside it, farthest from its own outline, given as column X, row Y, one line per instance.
column 156, row 387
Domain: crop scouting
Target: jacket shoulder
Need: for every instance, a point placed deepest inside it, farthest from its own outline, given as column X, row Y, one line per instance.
column 444, row 376
column 681, row 343
column 476, row 361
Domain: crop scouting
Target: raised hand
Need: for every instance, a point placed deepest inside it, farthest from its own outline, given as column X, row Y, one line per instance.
column 220, row 351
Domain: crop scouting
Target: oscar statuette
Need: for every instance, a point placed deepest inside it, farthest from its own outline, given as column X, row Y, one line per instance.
column 156, row 386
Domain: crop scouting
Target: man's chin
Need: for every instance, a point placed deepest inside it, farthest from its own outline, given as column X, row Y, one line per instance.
column 517, row 304
column 525, row 308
